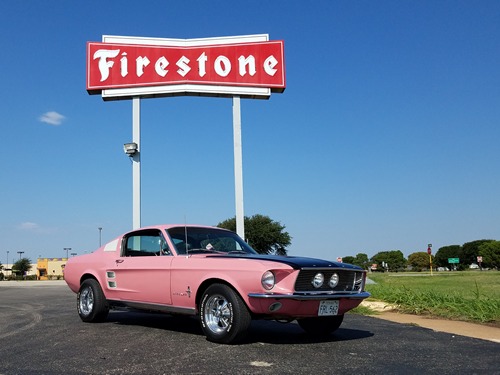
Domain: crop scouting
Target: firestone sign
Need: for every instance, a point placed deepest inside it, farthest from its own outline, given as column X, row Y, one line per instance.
column 125, row 67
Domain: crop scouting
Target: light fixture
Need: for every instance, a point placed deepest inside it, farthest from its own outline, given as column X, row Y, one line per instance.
column 334, row 280
column 130, row 148
column 268, row 280
column 318, row 280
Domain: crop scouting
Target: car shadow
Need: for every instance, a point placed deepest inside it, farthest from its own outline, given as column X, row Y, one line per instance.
column 262, row 331
column 272, row 332
column 177, row 323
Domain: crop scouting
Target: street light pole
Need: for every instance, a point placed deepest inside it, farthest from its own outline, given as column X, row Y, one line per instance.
column 238, row 168
column 136, row 163
column 67, row 249
column 20, row 253
column 7, row 265
column 100, row 232
column 429, row 251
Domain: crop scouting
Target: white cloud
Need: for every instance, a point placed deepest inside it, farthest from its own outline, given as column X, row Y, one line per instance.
column 52, row 118
column 34, row 228
column 29, row 226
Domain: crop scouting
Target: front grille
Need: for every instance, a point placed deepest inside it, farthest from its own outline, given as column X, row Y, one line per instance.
column 349, row 281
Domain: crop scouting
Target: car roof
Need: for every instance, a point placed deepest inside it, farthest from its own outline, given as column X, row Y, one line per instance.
column 168, row 226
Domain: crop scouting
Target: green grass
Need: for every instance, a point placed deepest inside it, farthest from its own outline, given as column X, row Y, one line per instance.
column 469, row 296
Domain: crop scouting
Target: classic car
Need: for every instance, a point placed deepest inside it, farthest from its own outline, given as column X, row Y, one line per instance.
column 212, row 273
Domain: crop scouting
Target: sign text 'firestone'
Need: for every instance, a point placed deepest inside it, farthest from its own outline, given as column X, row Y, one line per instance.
column 120, row 65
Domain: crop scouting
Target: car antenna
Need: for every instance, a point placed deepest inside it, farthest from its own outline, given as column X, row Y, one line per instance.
column 186, row 236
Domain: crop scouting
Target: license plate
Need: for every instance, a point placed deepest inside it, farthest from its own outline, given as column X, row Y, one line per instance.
column 327, row 308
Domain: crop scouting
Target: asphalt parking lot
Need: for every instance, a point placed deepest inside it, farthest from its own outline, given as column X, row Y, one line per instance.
column 41, row 333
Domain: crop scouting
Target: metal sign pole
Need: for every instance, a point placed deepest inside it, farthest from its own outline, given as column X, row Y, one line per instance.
column 136, row 163
column 238, row 167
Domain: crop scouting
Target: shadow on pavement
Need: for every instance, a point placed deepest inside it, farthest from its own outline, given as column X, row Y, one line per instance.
column 269, row 332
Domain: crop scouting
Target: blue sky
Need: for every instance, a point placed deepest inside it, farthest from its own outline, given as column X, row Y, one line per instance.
column 386, row 137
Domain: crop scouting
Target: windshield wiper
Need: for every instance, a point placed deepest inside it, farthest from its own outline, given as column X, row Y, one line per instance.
column 206, row 251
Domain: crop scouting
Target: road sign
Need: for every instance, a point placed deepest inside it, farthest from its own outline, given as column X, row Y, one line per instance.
column 453, row 260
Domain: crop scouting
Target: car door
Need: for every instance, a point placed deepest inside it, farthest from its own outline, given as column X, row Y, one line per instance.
column 142, row 269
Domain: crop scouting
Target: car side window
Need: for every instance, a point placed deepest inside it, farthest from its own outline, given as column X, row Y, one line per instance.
column 146, row 243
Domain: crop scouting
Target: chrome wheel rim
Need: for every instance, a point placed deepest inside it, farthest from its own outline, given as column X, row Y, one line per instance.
column 86, row 301
column 217, row 314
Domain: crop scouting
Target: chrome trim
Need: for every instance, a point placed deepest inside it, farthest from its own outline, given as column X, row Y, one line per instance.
column 333, row 268
column 152, row 307
column 350, row 281
column 311, row 296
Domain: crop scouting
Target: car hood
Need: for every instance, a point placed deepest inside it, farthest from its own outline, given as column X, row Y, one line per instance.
column 293, row 261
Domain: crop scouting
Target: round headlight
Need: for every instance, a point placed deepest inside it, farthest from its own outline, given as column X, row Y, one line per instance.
column 318, row 280
column 268, row 280
column 334, row 280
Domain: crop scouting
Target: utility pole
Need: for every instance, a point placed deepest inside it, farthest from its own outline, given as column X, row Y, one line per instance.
column 67, row 249
column 100, row 235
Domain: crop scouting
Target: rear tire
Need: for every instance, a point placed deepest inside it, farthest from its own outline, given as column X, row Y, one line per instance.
column 91, row 303
column 321, row 326
column 224, row 316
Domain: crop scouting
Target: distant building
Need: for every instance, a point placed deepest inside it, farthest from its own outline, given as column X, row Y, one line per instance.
column 50, row 268
column 7, row 270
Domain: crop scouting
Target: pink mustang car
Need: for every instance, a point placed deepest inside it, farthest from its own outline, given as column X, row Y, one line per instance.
column 212, row 273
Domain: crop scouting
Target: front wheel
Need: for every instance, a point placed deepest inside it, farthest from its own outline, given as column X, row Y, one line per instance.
column 321, row 326
column 91, row 303
column 223, row 314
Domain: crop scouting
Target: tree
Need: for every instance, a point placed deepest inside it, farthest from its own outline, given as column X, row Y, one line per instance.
column 490, row 251
column 419, row 261
column 360, row 259
column 22, row 266
column 470, row 251
column 349, row 259
column 394, row 259
column 265, row 235
column 446, row 252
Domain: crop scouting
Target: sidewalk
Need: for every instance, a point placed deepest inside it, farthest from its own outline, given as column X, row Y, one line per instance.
column 477, row 331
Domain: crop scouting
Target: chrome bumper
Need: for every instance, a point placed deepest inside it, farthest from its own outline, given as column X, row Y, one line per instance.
column 310, row 296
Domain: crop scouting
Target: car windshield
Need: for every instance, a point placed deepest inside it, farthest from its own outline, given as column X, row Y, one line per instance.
column 197, row 239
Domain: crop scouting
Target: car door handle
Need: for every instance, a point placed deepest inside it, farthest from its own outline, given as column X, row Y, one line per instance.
column 119, row 260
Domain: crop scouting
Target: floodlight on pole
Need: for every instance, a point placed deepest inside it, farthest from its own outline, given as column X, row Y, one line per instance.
column 130, row 148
